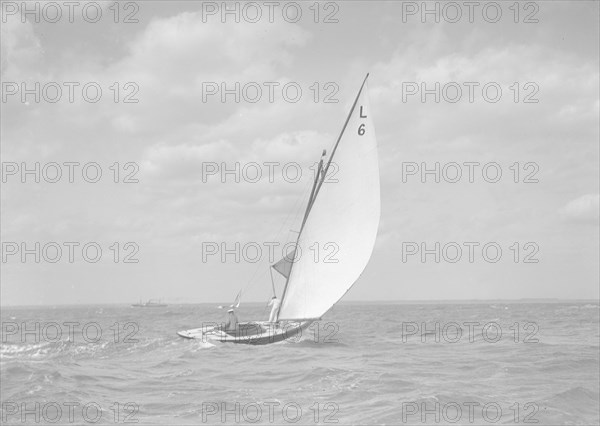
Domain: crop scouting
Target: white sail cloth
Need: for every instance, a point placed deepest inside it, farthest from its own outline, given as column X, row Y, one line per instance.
column 344, row 217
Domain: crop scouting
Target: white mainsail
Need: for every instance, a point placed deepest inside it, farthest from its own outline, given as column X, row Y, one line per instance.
column 344, row 214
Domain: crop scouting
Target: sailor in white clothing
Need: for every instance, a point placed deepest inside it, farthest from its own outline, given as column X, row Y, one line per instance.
column 275, row 308
column 232, row 321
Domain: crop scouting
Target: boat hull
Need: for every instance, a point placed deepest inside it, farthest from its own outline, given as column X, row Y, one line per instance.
column 249, row 333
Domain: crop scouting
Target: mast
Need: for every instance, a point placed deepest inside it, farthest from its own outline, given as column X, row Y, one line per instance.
column 313, row 191
column 272, row 281
column 317, row 186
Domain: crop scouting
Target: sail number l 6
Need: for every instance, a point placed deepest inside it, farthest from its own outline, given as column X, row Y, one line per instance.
column 361, row 128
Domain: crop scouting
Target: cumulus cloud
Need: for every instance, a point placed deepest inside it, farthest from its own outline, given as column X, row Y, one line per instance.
column 22, row 51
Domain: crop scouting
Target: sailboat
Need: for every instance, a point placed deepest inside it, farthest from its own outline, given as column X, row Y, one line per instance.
column 346, row 213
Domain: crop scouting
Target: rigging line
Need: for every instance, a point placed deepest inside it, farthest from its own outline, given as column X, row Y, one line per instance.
column 297, row 207
column 251, row 284
column 295, row 211
column 259, row 265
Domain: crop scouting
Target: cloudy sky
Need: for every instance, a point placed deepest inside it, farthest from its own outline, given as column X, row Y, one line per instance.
column 177, row 52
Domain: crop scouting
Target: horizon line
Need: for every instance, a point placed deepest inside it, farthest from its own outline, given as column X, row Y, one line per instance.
column 348, row 302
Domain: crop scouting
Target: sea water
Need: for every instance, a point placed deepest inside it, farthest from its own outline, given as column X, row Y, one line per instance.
column 379, row 363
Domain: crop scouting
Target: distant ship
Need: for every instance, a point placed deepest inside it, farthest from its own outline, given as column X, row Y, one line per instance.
column 152, row 303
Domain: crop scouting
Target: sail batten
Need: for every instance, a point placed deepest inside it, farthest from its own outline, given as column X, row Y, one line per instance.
column 340, row 227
